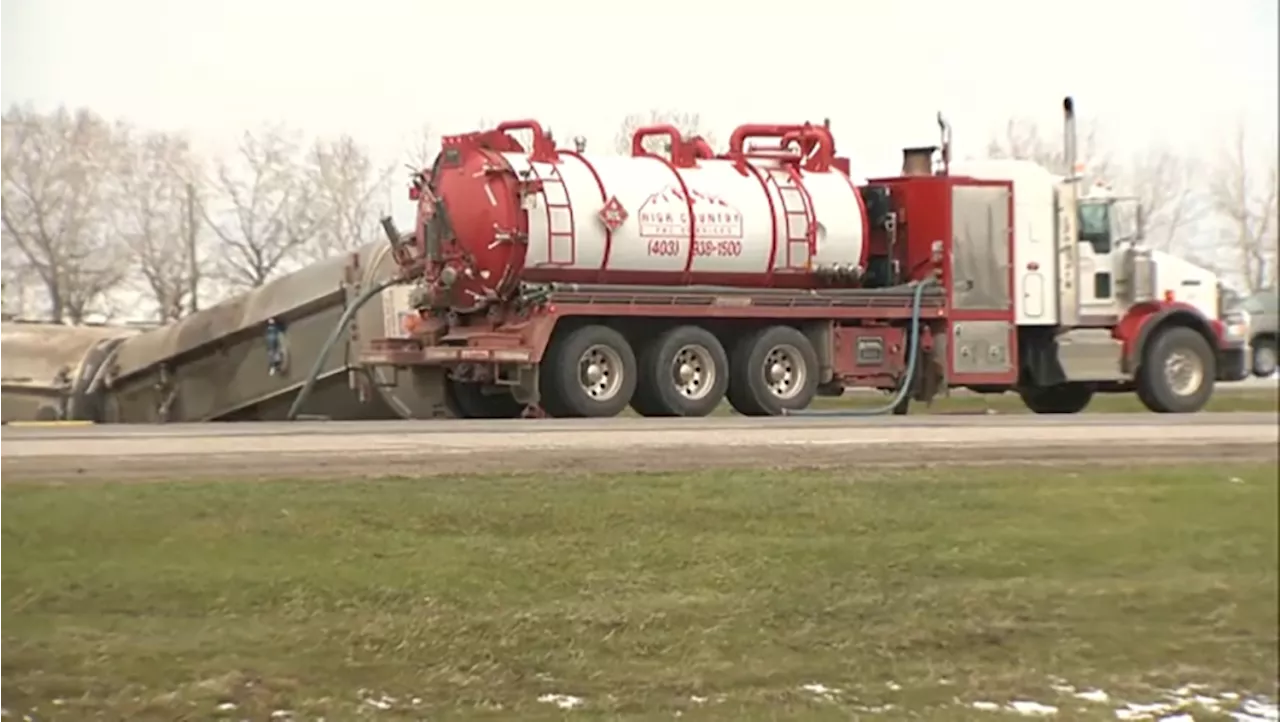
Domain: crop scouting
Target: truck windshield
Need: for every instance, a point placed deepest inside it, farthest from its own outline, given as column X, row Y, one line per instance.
column 1095, row 226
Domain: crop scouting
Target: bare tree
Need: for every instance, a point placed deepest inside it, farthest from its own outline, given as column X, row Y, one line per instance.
column 1161, row 180
column 1024, row 139
column 262, row 207
column 154, row 215
column 56, row 177
column 15, row 280
column 688, row 124
column 1164, row 184
column 422, row 149
column 1243, row 188
column 346, row 187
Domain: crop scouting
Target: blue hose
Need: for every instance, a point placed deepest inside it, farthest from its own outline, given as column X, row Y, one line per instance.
column 905, row 387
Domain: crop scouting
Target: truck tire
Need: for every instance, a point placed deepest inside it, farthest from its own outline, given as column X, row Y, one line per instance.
column 1264, row 357
column 772, row 370
column 683, row 372
column 1177, row 372
column 1065, row 398
column 469, row 401
column 587, row 372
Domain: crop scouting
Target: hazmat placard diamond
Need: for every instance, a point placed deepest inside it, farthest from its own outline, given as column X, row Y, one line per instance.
column 613, row 215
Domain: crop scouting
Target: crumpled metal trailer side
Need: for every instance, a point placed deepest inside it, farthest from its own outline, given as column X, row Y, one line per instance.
column 41, row 363
column 222, row 363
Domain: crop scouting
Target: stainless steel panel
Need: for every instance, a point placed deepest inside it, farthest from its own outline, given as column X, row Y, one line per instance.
column 1091, row 354
column 980, row 248
column 981, row 347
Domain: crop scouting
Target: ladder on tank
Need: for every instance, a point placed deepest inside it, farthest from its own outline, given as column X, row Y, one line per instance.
column 556, row 197
column 796, row 208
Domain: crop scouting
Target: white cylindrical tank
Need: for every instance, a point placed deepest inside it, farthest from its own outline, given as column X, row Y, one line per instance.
column 786, row 217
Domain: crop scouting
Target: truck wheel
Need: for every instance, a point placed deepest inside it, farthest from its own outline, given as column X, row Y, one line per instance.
column 1264, row 357
column 683, row 372
column 469, row 401
column 772, row 370
column 1177, row 372
column 1061, row 399
column 588, row 372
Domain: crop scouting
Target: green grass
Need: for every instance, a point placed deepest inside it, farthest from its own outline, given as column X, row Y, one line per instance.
column 475, row 596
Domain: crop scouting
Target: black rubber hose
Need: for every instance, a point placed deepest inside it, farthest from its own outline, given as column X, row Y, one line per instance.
column 905, row 387
column 329, row 343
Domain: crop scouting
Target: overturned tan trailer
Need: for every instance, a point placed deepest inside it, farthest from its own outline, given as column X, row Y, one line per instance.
column 40, row 363
column 216, row 364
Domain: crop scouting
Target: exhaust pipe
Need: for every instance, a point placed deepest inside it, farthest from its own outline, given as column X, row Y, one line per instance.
column 944, row 132
column 1069, row 136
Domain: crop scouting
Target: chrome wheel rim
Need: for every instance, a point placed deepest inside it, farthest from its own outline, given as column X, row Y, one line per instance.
column 693, row 372
column 784, row 371
column 1265, row 360
column 600, row 372
column 1184, row 373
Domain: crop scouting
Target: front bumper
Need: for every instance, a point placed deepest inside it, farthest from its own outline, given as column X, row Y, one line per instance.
column 1234, row 361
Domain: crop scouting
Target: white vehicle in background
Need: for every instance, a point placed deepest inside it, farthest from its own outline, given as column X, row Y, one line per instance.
column 1263, row 308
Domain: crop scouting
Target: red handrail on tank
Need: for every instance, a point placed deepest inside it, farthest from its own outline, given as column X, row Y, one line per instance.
column 817, row 144
column 743, row 133
column 684, row 153
column 543, row 150
column 701, row 148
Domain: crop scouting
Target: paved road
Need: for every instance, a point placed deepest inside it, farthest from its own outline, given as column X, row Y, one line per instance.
column 305, row 448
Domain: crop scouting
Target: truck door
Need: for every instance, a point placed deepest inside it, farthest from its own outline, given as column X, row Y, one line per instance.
column 1098, row 271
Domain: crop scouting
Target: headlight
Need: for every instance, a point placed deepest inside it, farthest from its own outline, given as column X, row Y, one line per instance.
column 1236, row 325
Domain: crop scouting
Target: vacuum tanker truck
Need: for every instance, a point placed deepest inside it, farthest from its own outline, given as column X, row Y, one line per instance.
column 551, row 281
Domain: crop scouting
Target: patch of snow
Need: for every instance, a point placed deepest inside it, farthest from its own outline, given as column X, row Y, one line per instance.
column 1209, row 703
column 563, row 701
column 1229, row 695
column 821, row 690
column 1063, row 688
column 1261, row 708
column 698, row 700
column 1093, row 695
column 281, row 714
column 893, row 686
column 59, row 702
column 1134, row 711
column 226, row 707
column 415, row 701
column 986, row 706
column 945, row 682
column 384, row 702
column 1182, row 717
column 876, row 708
column 1032, row 709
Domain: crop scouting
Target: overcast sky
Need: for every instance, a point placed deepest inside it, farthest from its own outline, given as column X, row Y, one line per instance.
column 1178, row 70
